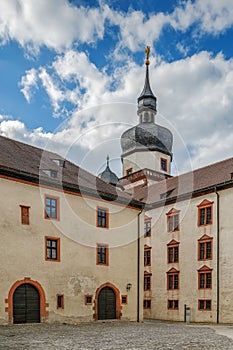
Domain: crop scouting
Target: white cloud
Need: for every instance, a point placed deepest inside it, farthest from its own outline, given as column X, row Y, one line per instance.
column 195, row 99
column 57, row 24
column 55, row 94
column 54, row 23
column 213, row 16
column 28, row 82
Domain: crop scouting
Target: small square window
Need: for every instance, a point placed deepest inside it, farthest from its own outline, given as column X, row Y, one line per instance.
column 24, row 215
column 129, row 171
column 52, row 249
column 173, row 304
column 204, row 305
column 51, row 207
column 102, row 254
column 60, row 301
column 124, row 299
column 102, row 217
column 88, row 299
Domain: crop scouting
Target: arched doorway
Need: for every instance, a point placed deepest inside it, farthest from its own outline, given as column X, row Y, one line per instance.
column 107, row 302
column 26, row 304
column 33, row 291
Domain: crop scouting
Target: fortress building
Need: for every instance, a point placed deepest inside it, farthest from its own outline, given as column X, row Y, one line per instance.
column 76, row 247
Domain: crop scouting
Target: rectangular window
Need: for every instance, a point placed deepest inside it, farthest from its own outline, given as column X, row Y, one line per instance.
column 173, row 280
column 51, row 207
column 124, row 299
column 147, row 304
column 88, row 299
column 204, row 305
column 129, row 171
column 147, row 282
column 205, row 213
column 60, row 301
column 173, row 254
column 147, row 228
column 173, row 222
column 102, row 254
column 173, row 305
column 205, row 250
column 52, row 249
column 24, row 214
column 163, row 164
column 147, row 256
column 102, row 217
column 205, row 280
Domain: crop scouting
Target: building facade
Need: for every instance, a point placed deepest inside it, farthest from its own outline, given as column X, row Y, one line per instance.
column 188, row 225
column 69, row 242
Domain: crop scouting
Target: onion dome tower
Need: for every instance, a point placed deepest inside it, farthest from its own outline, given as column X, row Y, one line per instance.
column 108, row 175
column 147, row 145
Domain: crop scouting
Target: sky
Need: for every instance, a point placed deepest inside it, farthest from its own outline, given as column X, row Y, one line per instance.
column 71, row 72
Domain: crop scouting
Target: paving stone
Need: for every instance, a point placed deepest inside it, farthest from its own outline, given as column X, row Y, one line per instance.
column 115, row 335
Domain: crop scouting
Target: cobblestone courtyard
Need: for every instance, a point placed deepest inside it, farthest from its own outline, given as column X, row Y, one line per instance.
column 115, row 335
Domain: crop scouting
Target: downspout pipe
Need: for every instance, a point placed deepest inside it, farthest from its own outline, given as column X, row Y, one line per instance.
column 217, row 258
column 138, row 266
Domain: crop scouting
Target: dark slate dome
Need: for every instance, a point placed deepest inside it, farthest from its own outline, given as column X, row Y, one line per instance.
column 108, row 175
column 147, row 135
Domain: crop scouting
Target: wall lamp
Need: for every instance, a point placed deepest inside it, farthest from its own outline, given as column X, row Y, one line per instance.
column 128, row 286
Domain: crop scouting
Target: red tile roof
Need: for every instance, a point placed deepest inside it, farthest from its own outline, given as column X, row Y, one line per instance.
column 190, row 184
column 21, row 160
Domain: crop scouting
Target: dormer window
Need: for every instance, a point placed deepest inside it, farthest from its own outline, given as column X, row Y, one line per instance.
column 59, row 162
column 52, row 173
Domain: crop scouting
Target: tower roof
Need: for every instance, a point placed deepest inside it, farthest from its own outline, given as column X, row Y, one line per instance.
column 147, row 99
column 108, row 175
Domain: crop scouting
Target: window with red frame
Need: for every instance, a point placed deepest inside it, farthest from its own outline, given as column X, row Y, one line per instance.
column 204, row 304
column 205, row 247
column 205, row 213
column 147, row 228
column 172, row 279
column 205, row 278
column 147, row 256
column 24, row 214
column 173, row 218
column 147, row 282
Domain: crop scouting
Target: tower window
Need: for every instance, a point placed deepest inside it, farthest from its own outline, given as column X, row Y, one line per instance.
column 102, row 254
column 102, row 217
column 129, row 171
column 163, row 164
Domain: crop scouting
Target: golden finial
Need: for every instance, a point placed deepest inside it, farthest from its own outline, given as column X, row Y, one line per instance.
column 147, row 51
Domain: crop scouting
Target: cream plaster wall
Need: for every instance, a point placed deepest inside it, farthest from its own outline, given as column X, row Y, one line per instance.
column 145, row 159
column 188, row 265
column 226, row 256
column 23, row 250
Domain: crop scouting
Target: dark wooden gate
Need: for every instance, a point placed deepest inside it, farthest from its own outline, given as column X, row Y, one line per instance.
column 26, row 304
column 106, row 304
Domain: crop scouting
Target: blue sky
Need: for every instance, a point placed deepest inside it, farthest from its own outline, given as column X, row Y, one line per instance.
column 71, row 72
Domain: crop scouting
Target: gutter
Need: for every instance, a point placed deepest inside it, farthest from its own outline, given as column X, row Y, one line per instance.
column 138, row 267
column 217, row 258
